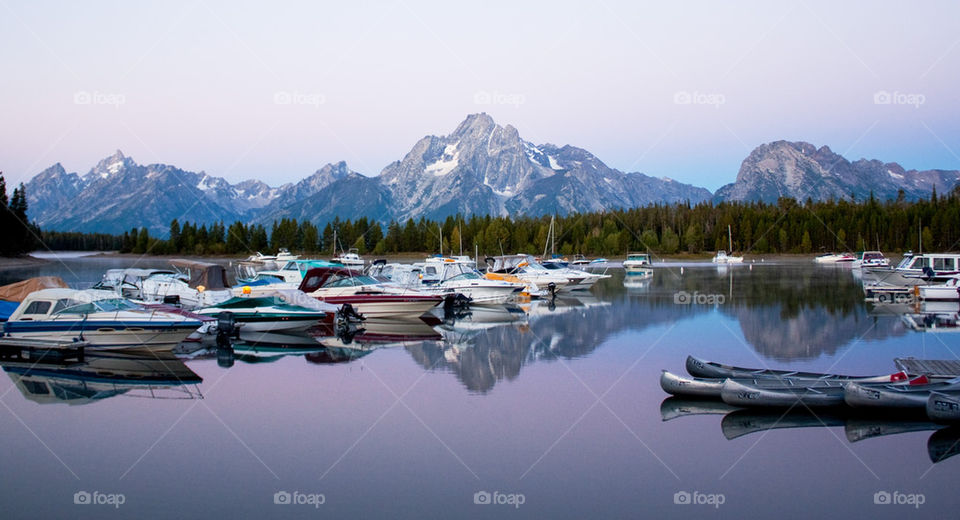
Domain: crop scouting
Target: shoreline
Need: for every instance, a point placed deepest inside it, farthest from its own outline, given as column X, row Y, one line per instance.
column 18, row 262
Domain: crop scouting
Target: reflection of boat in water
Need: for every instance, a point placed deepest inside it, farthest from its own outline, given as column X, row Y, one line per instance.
column 380, row 332
column 743, row 422
column 860, row 428
column 944, row 444
column 638, row 279
column 673, row 407
column 155, row 375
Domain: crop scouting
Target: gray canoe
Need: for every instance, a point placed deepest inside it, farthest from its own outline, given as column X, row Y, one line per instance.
column 697, row 367
column 822, row 393
column 707, row 387
column 944, row 407
column 902, row 395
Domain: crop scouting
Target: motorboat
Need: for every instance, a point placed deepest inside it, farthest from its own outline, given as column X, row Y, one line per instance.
column 870, row 259
column 127, row 283
column 834, row 258
column 917, row 269
column 365, row 294
column 264, row 314
column 637, row 262
column 527, row 269
column 65, row 314
column 194, row 285
column 945, row 291
column 587, row 281
column 289, row 273
column 350, row 259
column 449, row 277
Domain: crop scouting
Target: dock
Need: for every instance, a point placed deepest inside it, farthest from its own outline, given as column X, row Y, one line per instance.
column 940, row 368
column 37, row 349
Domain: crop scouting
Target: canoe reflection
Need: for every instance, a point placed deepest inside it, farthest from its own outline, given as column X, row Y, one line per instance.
column 858, row 426
column 152, row 375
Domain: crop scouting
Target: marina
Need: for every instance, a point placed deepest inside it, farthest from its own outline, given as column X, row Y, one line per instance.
column 790, row 327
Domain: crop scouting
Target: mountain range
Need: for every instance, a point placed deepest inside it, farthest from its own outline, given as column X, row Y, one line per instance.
column 480, row 168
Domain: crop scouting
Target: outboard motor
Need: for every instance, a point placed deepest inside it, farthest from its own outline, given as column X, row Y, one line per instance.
column 552, row 287
column 226, row 328
column 929, row 273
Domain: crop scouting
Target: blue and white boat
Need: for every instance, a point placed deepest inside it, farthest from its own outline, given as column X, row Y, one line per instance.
column 69, row 314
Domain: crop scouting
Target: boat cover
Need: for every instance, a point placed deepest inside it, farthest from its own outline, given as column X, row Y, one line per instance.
column 211, row 276
column 16, row 292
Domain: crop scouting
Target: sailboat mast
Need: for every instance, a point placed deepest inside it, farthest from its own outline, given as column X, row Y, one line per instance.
column 730, row 238
column 441, row 239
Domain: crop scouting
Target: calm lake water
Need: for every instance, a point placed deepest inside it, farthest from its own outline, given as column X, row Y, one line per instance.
column 556, row 406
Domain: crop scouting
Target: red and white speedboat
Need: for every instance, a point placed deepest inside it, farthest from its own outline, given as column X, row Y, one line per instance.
column 367, row 296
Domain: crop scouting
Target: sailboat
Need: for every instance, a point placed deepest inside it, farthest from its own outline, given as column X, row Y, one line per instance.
column 723, row 258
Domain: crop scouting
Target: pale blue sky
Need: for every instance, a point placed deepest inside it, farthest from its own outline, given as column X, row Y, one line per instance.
column 276, row 91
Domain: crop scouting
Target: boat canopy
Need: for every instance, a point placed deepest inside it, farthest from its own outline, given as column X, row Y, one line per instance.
column 210, row 276
column 16, row 292
column 507, row 263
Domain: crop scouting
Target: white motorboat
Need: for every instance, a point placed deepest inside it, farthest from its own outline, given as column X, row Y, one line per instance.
column 587, row 279
column 870, row 259
column 919, row 269
column 195, row 285
column 367, row 295
column 529, row 270
column 834, row 258
column 351, row 259
column 946, row 291
column 637, row 262
column 66, row 314
column 449, row 277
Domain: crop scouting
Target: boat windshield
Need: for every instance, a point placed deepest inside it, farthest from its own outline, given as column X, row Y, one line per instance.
column 465, row 276
column 351, row 281
column 71, row 306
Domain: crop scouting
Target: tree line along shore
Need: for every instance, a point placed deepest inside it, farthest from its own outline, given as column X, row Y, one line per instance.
column 787, row 226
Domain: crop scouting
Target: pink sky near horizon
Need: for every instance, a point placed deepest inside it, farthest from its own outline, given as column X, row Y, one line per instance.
column 275, row 92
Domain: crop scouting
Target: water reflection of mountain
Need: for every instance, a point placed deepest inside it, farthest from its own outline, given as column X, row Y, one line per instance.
column 155, row 375
column 785, row 312
column 571, row 327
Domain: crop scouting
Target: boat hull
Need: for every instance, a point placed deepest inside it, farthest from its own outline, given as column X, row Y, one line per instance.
column 385, row 306
column 822, row 394
column 109, row 337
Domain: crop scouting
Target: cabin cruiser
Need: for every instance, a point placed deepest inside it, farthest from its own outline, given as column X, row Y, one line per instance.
column 350, row 259
column 194, row 285
column 449, row 277
column 562, row 268
column 127, row 283
column 365, row 294
column 266, row 314
column 67, row 314
column 919, row 269
column 870, row 259
column 946, row 291
column 636, row 262
column 530, row 271
column 291, row 272
column 833, row 258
